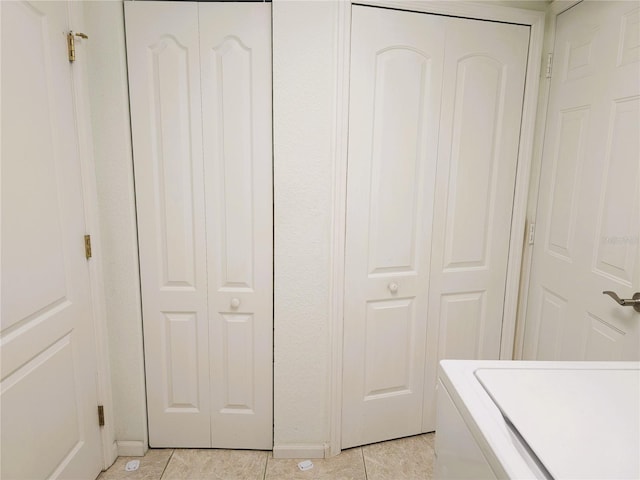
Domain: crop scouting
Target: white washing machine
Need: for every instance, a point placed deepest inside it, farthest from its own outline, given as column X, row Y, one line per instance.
column 546, row 420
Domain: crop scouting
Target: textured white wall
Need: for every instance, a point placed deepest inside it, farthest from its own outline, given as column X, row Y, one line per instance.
column 109, row 102
column 303, row 90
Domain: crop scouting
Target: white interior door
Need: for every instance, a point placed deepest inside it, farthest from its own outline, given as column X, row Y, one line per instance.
column 200, row 87
column 483, row 85
column 588, row 206
column 164, row 88
column 235, row 55
column 48, row 365
column 396, row 82
column 434, row 128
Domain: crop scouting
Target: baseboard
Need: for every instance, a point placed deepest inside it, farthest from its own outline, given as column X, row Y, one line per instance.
column 129, row 448
column 302, row 451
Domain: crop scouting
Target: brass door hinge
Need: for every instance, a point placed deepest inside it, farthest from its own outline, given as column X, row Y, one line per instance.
column 71, row 44
column 87, row 246
column 101, row 415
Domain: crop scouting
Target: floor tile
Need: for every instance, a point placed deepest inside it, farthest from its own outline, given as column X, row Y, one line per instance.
column 410, row 458
column 151, row 466
column 214, row 464
column 346, row 466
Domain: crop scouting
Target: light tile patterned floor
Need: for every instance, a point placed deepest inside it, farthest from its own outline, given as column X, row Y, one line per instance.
column 408, row 458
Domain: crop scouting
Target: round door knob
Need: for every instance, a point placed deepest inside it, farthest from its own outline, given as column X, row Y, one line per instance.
column 235, row 302
column 393, row 287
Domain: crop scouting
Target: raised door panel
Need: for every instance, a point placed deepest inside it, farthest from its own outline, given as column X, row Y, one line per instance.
column 33, row 114
column 61, row 413
column 180, row 345
column 401, row 80
column 603, row 341
column 396, row 64
column 389, row 346
column 164, row 82
column 483, row 84
column 462, row 322
column 172, row 162
column 612, row 249
column 549, row 304
column 578, row 53
column 235, row 56
column 238, row 365
column 629, row 43
column 48, row 364
column 572, row 136
column 553, row 312
column 549, row 309
column 475, row 151
column 616, row 237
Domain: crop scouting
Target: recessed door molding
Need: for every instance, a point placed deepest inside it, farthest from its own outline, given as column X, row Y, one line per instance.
column 342, row 48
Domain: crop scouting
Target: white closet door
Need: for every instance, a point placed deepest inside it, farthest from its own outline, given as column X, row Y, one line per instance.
column 396, row 68
column 164, row 82
column 235, row 52
column 200, row 80
column 483, row 85
column 588, row 219
column 425, row 259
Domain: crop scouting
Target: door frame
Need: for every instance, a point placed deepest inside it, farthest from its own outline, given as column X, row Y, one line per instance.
column 80, row 92
column 555, row 9
column 342, row 49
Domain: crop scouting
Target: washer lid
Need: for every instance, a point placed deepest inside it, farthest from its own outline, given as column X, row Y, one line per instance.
column 579, row 423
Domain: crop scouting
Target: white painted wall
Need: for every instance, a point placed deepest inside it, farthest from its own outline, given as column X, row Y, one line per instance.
column 109, row 105
column 303, row 90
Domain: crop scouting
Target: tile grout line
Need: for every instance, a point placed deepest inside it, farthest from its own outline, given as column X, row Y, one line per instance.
column 266, row 464
column 364, row 464
column 167, row 464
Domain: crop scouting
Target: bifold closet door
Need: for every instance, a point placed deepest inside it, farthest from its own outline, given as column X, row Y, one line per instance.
column 235, row 59
column 200, row 89
column 482, row 95
column 434, row 122
column 396, row 78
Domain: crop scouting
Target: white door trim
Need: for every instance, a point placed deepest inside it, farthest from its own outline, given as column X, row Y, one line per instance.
column 342, row 48
column 555, row 9
column 90, row 198
column 340, row 146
